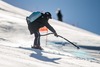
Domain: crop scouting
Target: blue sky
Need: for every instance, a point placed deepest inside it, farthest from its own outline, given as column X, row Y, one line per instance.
column 82, row 13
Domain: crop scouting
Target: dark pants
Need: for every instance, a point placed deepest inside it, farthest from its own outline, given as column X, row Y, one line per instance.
column 37, row 39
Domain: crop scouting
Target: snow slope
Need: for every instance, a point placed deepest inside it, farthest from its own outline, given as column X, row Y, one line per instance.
column 15, row 42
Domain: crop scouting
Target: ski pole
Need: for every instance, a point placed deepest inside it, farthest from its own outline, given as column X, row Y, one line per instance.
column 46, row 34
column 69, row 41
column 64, row 39
column 46, row 38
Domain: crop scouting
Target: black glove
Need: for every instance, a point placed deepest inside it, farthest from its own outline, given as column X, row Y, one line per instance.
column 55, row 34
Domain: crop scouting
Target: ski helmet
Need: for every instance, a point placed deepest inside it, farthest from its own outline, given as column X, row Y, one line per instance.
column 48, row 14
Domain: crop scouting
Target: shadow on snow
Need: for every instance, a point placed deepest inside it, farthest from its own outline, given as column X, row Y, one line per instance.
column 38, row 55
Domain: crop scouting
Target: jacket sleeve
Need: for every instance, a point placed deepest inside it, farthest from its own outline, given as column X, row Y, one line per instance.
column 50, row 27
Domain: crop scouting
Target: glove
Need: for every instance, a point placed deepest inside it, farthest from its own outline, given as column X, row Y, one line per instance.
column 55, row 34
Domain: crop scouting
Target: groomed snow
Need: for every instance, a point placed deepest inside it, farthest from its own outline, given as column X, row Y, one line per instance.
column 15, row 42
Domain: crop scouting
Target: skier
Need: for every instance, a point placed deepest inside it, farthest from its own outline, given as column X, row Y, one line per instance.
column 59, row 15
column 36, row 25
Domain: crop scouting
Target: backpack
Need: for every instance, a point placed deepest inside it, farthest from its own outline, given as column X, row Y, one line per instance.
column 33, row 16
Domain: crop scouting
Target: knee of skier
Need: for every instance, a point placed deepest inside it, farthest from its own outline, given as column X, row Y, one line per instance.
column 37, row 34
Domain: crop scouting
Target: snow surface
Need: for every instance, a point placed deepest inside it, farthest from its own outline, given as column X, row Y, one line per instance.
column 15, row 42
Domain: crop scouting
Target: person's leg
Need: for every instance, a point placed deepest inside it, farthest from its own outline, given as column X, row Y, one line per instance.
column 37, row 39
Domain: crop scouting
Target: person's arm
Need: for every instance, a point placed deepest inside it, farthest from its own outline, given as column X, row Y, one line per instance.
column 51, row 28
